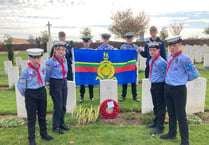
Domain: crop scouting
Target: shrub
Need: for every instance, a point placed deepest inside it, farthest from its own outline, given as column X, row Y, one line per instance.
column 86, row 115
column 193, row 119
column 11, row 122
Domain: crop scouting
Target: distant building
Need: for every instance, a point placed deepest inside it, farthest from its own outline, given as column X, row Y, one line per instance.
column 19, row 41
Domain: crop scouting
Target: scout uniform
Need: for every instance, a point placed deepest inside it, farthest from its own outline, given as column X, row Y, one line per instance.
column 56, row 75
column 127, row 46
column 146, row 54
column 82, row 87
column 31, row 85
column 157, row 73
column 180, row 70
column 105, row 36
column 69, row 58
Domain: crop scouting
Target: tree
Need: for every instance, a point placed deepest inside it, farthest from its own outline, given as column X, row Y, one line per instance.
column 44, row 39
column 125, row 21
column 9, row 46
column 86, row 32
column 163, row 33
column 31, row 39
column 176, row 28
column 206, row 31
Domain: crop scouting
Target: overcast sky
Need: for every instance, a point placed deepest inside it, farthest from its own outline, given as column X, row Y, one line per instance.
column 21, row 18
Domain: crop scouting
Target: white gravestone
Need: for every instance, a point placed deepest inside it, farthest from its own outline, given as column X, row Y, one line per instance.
column 7, row 65
column 196, row 92
column 13, row 75
column 20, row 101
column 147, row 105
column 206, row 60
column 142, row 62
column 18, row 61
column 24, row 64
column 71, row 97
column 108, row 90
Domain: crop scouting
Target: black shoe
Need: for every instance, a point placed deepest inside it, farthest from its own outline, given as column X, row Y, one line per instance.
column 46, row 137
column 151, row 125
column 64, row 127
column 91, row 99
column 156, row 131
column 184, row 142
column 81, row 100
column 136, row 99
column 122, row 99
column 168, row 136
column 32, row 142
column 58, row 130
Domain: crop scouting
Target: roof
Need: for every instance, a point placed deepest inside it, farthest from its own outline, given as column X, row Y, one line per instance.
column 19, row 41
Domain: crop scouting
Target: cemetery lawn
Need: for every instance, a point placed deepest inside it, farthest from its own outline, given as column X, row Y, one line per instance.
column 8, row 100
column 104, row 135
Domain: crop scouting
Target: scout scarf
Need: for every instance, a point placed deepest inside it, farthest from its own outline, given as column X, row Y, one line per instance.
column 63, row 67
column 153, row 60
column 172, row 56
column 37, row 69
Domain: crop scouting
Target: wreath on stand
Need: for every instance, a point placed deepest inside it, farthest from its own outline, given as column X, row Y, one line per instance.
column 109, row 103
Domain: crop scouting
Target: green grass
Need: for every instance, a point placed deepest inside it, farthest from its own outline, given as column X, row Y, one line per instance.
column 8, row 101
column 104, row 135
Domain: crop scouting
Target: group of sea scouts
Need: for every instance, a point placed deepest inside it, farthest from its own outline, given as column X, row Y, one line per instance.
column 168, row 79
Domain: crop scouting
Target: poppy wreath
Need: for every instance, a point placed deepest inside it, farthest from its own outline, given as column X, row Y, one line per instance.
column 105, row 114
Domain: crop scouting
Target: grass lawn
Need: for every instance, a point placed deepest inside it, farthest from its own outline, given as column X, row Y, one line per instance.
column 104, row 135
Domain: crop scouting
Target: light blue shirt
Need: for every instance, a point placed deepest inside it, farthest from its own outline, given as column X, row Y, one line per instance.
column 88, row 48
column 29, row 79
column 159, row 67
column 105, row 47
column 127, row 46
column 54, row 69
column 181, row 70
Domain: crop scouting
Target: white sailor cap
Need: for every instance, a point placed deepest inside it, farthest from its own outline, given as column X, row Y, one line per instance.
column 174, row 40
column 60, row 43
column 35, row 52
column 153, row 44
column 129, row 34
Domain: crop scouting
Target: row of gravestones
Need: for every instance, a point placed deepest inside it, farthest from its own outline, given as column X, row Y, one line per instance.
column 197, row 53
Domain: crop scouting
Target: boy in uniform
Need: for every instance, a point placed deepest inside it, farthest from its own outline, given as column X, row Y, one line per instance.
column 180, row 70
column 86, row 45
column 157, row 72
column 145, row 53
column 105, row 45
column 31, row 85
column 129, row 45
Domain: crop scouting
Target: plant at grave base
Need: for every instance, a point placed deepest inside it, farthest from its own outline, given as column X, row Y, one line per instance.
column 130, row 116
column 202, row 116
column 11, row 122
column 86, row 115
column 147, row 118
column 193, row 119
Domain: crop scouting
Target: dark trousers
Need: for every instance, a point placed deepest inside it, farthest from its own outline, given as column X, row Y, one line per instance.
column 35, row 100
column 147, row 71
column 133, row 90
column 157, row 91
column 58, row 91
column 91, row 92
column 175, row 97
column 70, row 73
